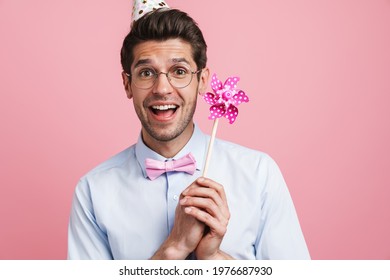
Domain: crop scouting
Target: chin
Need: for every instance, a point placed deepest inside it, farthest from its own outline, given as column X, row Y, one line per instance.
column 166, row 133
column 162, row 134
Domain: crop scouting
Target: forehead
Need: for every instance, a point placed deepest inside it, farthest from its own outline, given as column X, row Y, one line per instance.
column 161, row 53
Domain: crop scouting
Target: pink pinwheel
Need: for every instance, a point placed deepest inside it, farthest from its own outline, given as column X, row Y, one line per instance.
column 223, row 104
column 225, row 98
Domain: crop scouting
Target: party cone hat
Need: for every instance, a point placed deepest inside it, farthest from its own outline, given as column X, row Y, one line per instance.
column 142, row 7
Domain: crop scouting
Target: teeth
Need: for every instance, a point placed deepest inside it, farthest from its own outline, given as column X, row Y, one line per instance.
column 164, row 107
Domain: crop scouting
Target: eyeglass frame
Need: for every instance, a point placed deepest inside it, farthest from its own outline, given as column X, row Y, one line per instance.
column 157, row 74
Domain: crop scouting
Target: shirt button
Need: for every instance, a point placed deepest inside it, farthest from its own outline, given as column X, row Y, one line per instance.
column 175, row 197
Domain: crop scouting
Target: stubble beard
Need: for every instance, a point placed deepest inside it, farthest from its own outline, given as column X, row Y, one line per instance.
column 162, row 135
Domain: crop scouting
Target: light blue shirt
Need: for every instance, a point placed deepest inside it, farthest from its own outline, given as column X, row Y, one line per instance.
column 118, row 213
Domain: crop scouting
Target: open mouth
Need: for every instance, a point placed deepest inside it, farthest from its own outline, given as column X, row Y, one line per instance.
column 164, row 111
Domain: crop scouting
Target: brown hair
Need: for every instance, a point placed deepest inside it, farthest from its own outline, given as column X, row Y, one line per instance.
column 161, row 25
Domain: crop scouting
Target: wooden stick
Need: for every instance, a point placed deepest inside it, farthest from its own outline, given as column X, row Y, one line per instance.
column 210, row 148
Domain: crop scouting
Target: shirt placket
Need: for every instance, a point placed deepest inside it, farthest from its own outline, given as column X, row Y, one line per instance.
column 173, row 195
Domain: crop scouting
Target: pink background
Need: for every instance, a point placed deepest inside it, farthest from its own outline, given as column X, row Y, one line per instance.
column 317, row 73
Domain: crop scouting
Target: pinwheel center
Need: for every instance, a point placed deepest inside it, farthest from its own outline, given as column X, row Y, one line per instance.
column 227, row 95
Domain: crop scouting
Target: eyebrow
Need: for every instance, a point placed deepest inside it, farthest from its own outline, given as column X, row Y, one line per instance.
column 142, row 62
column 173, row 60
column 180, row 59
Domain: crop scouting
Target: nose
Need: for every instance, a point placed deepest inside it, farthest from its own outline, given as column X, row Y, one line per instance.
column 162, row 84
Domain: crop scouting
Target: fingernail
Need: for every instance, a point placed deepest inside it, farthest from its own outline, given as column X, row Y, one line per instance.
column 183, row 201
column 201, row 179
column 187, row 209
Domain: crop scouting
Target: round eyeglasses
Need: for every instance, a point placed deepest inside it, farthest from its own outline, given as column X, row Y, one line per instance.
column 179, row 76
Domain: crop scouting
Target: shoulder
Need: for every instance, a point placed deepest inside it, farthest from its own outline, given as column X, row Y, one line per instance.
column 244, row 158
column 239, row 152
column 115, row 162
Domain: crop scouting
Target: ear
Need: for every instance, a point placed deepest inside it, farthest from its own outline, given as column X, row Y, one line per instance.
column 127, row 85
column 204, row 80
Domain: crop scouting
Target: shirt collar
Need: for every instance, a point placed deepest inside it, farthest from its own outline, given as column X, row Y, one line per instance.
column 197, row 145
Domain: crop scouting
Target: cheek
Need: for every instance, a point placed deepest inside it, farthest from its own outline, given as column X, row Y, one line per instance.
column 190, row 101
column 191, row 94
column 137, row 104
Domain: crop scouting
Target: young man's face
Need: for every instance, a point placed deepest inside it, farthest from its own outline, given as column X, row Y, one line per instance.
column 160, row 124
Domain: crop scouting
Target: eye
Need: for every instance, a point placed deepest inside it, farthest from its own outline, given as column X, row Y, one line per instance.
column 179, row 72
column 146, row 73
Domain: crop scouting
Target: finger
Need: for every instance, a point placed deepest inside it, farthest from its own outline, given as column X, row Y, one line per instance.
column 205, row 204
column 216, row 226
column 210, row 189
column 206, row 182
column 193, row 185
column 206, row 192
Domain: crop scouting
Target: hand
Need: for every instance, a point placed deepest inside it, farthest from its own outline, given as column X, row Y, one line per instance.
column 186, row 233
column 206, row 201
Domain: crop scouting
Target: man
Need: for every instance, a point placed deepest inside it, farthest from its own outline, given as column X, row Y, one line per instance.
column 124, row 210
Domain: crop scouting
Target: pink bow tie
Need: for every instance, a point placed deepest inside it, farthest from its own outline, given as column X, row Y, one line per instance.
column 155, row 168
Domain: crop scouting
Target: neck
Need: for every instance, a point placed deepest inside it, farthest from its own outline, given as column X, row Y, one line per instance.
column 168, row 149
